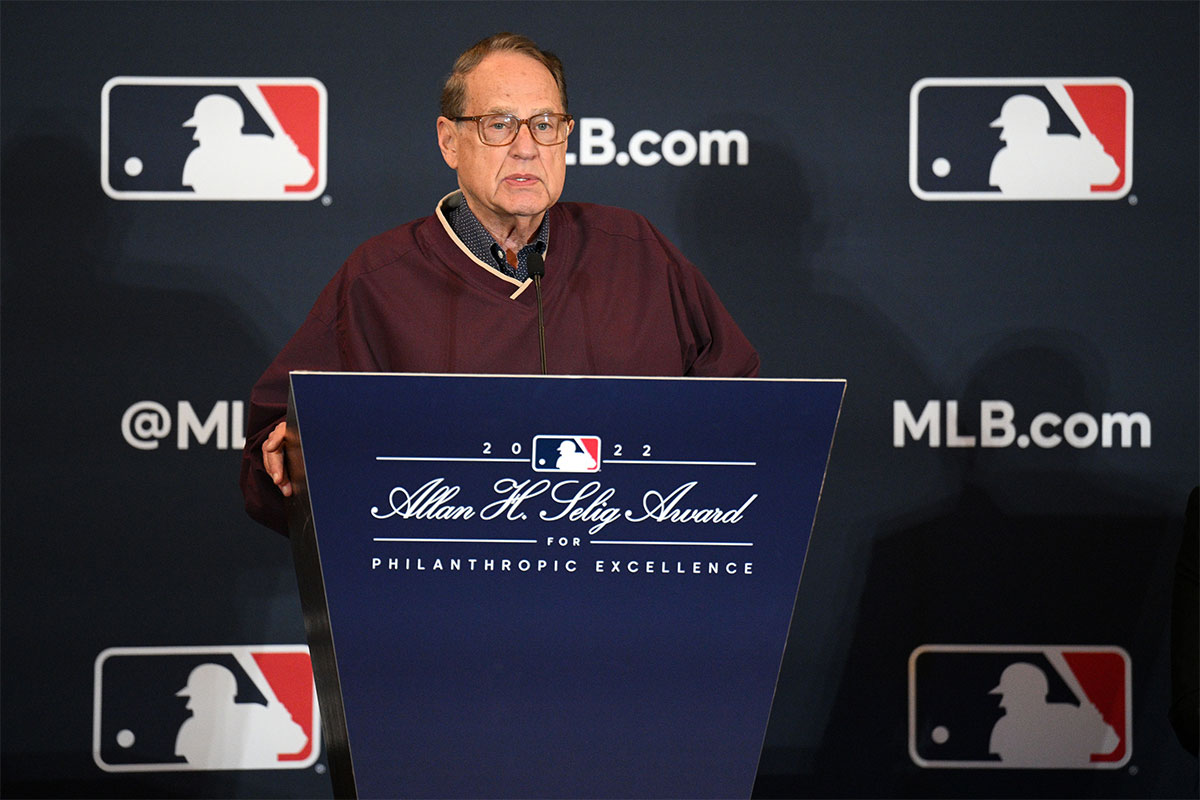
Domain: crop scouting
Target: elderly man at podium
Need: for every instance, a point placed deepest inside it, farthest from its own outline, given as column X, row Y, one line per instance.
column 448, row 293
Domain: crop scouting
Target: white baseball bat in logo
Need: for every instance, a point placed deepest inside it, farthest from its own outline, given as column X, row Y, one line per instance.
column 1058, row 91
column 1056, row 659
column 255, row 96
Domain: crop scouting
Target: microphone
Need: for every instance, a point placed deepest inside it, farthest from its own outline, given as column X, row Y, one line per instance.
column 536, row 265
column 537, row 268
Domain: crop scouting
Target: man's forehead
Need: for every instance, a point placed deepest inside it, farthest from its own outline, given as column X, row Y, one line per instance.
column 503, row 81
column 509, row 109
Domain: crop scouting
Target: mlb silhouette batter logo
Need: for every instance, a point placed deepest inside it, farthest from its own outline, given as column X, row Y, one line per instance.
column 204, row 708
column 566, row 453
column 1020, row 138
column 213, row 138
column 1048, row 707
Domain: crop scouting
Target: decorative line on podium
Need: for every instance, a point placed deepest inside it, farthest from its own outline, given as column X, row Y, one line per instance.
column 467, row 541
column 606, row 461
column 685, row 463
column 439, row 458
column 681, row 544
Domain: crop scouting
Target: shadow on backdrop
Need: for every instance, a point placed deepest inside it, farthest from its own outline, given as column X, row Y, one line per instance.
column 1036, row 547
column 810, row 320
column 106, row 544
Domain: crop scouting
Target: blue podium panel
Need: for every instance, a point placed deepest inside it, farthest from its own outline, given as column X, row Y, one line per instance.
column 559, row 587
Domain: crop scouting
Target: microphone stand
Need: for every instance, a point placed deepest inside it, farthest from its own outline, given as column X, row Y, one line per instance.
column 537, row 268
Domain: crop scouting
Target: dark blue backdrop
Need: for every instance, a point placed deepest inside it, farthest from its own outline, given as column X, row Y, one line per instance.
column 816, row 244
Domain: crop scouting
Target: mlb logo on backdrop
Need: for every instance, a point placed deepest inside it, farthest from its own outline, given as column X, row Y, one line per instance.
column 213, row 138
column 159, row 709
column 566, row 453
column 1020, row 138
column 1019, row 706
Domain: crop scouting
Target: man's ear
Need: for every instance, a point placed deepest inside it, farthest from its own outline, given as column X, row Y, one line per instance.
column 447, row 135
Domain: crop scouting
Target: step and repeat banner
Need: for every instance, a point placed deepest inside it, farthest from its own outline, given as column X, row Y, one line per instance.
column 983, row 215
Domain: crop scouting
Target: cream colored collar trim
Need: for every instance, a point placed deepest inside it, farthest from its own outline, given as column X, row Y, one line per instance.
column 452, row 200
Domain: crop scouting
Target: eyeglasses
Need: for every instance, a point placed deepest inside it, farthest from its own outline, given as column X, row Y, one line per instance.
column 498, row 130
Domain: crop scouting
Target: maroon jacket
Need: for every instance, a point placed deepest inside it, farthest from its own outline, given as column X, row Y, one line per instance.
column 618, row 299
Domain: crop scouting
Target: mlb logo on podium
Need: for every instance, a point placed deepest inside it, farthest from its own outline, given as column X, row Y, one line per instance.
column 1020, row 138
column 161, row 709
column 566, row 453
column 213, row 138
column 1020, row 706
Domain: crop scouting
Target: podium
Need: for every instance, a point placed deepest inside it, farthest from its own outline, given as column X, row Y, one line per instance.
column 551, row 586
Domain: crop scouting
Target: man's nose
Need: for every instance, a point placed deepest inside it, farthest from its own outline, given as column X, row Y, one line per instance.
column 524, row 145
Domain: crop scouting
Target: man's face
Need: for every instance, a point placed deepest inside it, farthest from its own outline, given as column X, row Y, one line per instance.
column 511, row 185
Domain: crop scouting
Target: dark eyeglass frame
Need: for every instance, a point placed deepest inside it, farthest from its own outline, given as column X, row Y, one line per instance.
column 566, row 119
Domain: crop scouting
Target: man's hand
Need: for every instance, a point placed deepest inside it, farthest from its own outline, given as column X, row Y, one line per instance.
column 273, row 452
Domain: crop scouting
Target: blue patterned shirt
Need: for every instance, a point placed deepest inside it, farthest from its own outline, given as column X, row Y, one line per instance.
column 470, row 231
